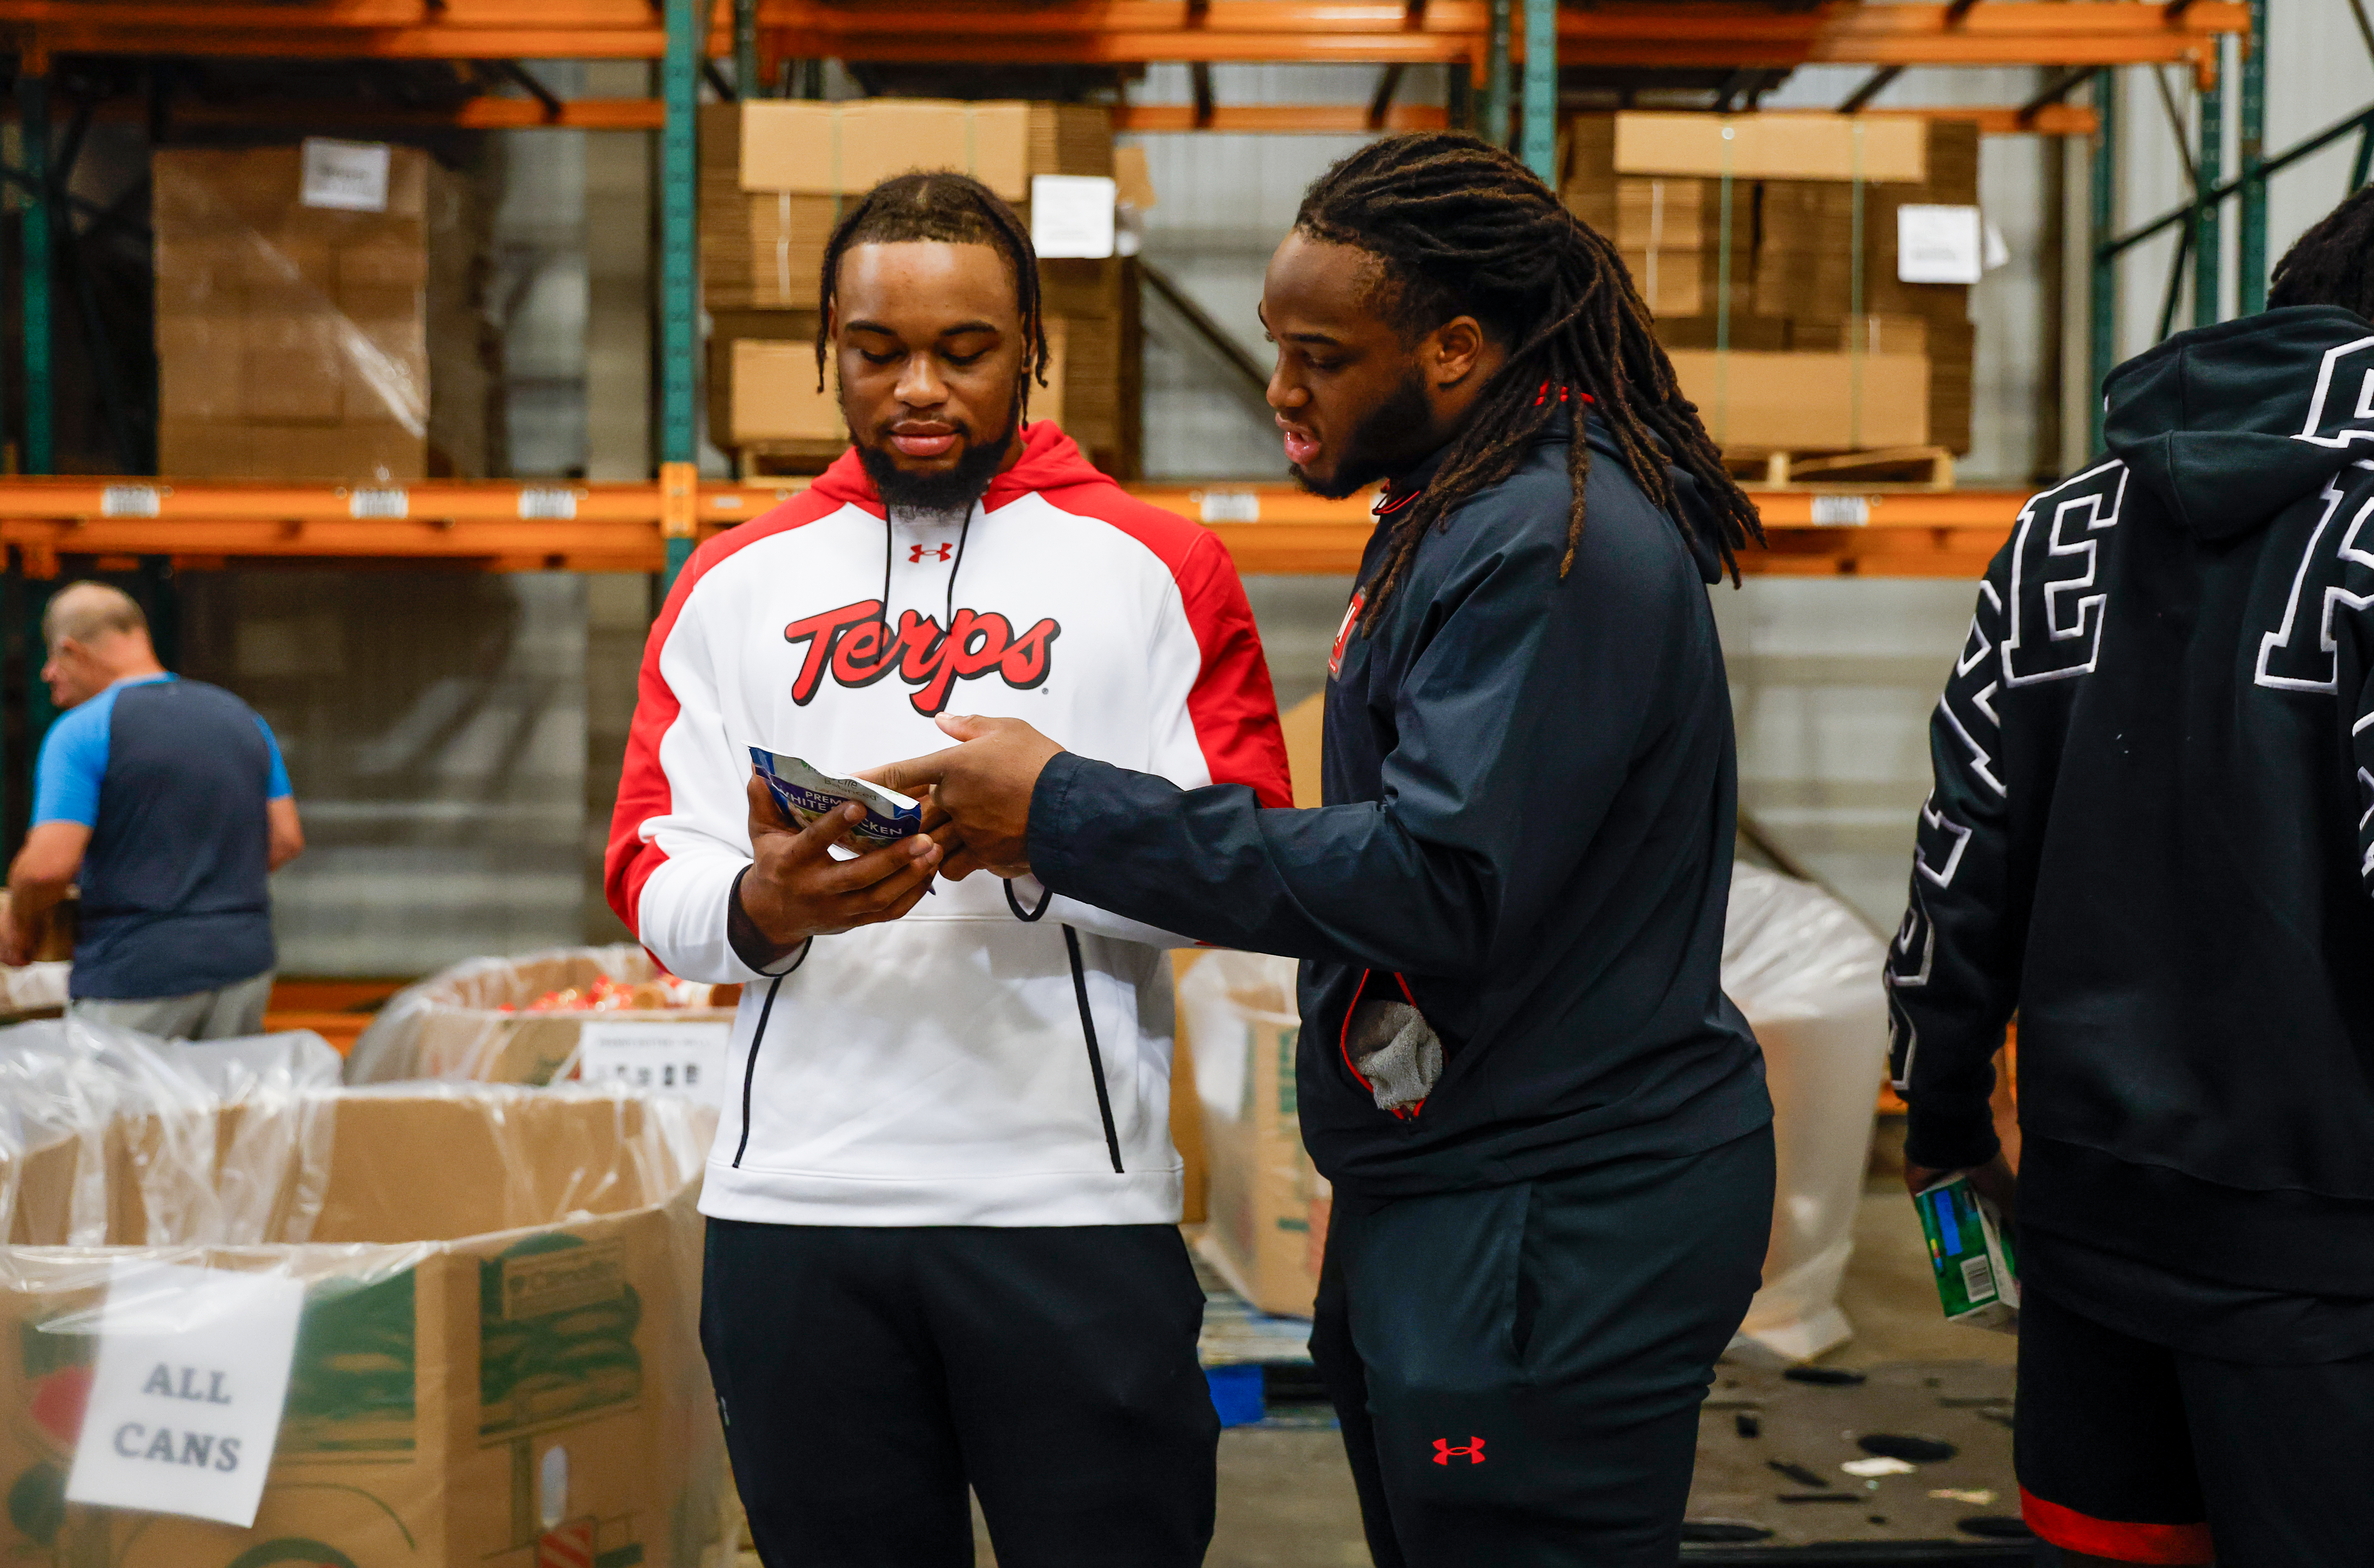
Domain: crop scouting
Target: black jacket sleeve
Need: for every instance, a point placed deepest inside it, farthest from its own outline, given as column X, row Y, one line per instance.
column 1524, row 700
column 1953, row 972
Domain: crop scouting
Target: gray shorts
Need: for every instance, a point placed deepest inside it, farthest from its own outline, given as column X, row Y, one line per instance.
column 223, row 1014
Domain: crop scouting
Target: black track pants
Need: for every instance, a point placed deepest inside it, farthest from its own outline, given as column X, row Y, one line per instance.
column 1518, row 1369
column 2131, row 1451
column 867, row 1375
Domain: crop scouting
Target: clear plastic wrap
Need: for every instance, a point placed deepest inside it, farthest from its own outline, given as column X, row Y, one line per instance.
column 501, row 1283
column 29, row 988
column 1806, row 971
column 472, row 1021
column 1268, row 1206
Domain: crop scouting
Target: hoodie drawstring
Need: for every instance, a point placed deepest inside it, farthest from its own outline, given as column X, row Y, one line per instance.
column 1087, row 1019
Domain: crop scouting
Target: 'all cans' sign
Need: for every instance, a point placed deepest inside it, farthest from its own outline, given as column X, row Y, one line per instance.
column 186, row 1395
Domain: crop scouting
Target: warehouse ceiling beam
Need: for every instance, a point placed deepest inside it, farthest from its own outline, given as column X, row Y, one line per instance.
column 1719, row 32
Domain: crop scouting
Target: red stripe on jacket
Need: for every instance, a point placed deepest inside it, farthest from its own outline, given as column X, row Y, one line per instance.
column 643, row 793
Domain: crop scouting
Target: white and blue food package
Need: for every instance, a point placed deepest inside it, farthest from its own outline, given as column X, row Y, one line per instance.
column 806, row 792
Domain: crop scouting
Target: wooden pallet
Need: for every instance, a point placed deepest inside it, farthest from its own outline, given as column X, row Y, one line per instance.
column 1926, row 468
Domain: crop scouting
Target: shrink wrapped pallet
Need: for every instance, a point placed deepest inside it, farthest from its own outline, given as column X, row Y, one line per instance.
column 297, row 321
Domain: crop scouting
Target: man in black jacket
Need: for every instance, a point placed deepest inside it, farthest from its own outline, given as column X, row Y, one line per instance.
column 1546, row 1125
column 2150, row 837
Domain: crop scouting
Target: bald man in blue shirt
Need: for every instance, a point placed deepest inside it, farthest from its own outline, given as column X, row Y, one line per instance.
column 167, row 800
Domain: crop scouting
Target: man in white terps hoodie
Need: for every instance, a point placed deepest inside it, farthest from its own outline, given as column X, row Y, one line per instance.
column 943, row 1247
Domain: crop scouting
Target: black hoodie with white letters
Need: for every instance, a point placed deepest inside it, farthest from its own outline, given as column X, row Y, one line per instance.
column 2152, row 832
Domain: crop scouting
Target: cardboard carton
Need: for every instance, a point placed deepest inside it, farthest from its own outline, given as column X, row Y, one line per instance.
column 1754, row 401
column 498, row 1364
column 1267, row 1208
column 1871, row 148
column 294, row 341
column 472, row 1021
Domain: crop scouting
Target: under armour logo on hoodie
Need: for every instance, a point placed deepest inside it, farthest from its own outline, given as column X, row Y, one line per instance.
column 854, row 643
column 916, row 553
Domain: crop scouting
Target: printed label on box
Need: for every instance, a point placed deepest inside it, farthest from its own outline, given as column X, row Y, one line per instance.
column 186, row 1395
column 348, row 176
column 1072, row 215
column 684, row 1059
column 1938, row 245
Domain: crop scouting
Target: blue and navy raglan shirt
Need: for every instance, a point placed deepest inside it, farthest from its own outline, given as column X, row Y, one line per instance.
column 171, row 778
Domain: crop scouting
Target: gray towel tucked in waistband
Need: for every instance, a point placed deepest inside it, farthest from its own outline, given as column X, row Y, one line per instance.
column 1396, row 1050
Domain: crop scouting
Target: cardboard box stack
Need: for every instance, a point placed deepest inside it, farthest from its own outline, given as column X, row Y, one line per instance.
column 492, row 1358
column 1828, row 348
column 310, row 329
column 775, row 177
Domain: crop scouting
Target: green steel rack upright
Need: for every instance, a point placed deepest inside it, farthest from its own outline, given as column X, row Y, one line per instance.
column 2251, row 259
column 1539, row 141
column 2209, row 223
column 679, row 276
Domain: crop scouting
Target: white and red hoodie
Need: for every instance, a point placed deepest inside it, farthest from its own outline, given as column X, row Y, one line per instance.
column 968, row 1064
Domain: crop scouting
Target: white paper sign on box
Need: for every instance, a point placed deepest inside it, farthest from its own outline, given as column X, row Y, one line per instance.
column 350, row 176
column 1072, row 215
column 185, row 1400
column 1938, row 245
column 683, row 1059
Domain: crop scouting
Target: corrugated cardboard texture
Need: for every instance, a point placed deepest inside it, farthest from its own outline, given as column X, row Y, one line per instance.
column 297, row 342
column 1870, row 147
column 830, row 149
column 1800, row 281
column 1267, row 1208
column 551, row 1304
column 1807, row 401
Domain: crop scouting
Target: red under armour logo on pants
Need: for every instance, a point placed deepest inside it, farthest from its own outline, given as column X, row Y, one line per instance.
column 1472, row 1450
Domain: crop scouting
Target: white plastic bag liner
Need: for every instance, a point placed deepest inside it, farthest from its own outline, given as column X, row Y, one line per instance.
column 31, row 986
column 562, row 1223
column 1806, row 971
column 203, row 1176
column 453, row 1024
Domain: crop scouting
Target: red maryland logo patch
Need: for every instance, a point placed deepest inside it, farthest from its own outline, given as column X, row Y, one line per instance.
column 856, row 648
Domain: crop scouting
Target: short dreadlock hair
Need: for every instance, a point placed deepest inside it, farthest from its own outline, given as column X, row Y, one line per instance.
column 954, row 209
column 2332, row 264
column 1459, row 227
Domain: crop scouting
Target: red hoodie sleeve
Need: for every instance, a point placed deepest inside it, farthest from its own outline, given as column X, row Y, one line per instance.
column 1232, row 703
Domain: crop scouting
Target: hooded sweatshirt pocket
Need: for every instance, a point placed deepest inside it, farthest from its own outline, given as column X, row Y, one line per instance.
column 943, row 1046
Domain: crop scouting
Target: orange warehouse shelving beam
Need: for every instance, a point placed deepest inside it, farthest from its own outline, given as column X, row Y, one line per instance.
column 2074, row 32
column 618, row 527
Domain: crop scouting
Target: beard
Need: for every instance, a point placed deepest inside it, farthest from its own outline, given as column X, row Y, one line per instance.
column 952, row 489
column 1386, row 441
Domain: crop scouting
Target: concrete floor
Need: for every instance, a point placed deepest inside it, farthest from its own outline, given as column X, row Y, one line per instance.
column 1286, row 1496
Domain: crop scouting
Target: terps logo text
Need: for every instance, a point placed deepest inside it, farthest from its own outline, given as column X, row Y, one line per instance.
column 860, row 650
column 1445, row 1450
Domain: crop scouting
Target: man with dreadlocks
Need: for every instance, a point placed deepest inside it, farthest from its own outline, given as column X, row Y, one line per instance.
column 942, row 1246
column 2150, row 838
column 1546, row 1126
